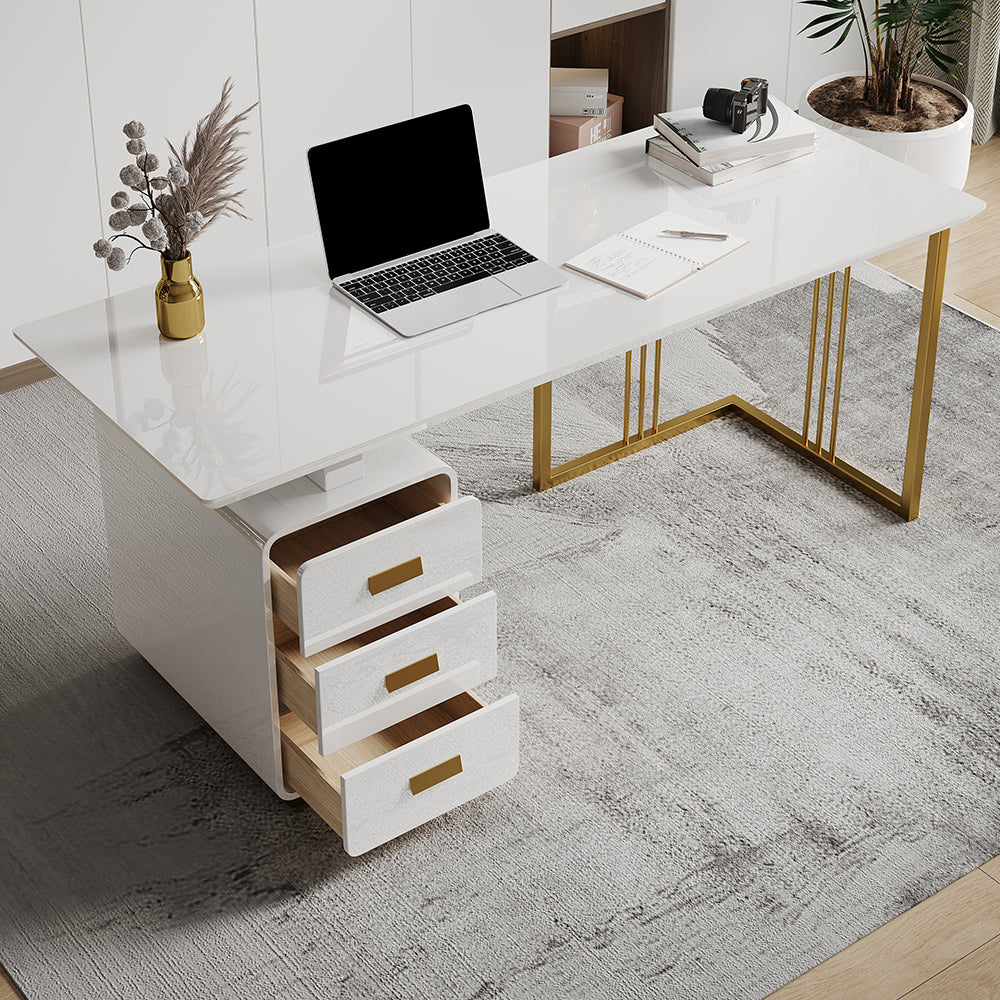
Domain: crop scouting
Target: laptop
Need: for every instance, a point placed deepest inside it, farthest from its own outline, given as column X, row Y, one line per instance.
column 405, row 226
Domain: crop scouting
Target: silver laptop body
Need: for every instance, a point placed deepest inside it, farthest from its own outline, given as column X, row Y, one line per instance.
column 368, row 207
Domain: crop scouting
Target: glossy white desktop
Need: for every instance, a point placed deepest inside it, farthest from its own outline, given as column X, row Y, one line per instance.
column 205, row 446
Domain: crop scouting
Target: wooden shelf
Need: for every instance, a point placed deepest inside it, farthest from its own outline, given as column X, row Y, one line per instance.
column 633, row 48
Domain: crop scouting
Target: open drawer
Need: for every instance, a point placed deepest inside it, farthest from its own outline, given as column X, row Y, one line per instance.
column 362, row 568
column 385, row 675
column 388, row 783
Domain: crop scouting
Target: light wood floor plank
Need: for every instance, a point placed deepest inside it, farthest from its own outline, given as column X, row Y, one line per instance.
column 984, row 164
column 992, row 868
column 974, row 309
column 24, row 373
column 8, row 991
column 909, row 950
column 985, row 294
column 975, row 977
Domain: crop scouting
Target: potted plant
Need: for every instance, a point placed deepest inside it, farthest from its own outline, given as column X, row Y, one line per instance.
column 889, row 107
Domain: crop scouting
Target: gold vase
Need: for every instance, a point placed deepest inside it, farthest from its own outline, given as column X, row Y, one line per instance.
column 180, row 308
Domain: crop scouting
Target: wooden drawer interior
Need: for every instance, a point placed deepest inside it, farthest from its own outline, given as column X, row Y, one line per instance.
column 296, row 673
column 289, row 553
column 317, row 779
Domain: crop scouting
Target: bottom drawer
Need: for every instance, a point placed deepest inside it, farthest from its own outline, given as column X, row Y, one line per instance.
column 388, row 783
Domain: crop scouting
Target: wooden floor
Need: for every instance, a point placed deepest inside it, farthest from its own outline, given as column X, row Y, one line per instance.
column 948, row 947
column 972, row 280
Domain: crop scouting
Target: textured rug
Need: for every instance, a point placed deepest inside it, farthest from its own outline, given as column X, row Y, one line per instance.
column 759, row 714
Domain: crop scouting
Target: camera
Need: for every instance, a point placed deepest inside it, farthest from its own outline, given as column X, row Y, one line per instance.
column 737, row 108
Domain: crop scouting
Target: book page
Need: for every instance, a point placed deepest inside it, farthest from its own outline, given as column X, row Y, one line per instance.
column 633, row 266
column 700, row 252
column 644, row 261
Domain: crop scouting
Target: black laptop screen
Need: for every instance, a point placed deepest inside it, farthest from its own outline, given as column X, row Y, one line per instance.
column 398, row 190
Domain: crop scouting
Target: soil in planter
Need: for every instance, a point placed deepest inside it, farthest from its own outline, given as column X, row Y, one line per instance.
column 841, row 101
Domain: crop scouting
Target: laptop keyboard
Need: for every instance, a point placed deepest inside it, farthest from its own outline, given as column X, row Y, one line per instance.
column 437, row 272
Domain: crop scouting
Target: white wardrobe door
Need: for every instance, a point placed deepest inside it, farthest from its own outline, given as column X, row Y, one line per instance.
column 165, row 66
column 50, row 211
column 327, row 70
column 494, row 56
column 717, row 44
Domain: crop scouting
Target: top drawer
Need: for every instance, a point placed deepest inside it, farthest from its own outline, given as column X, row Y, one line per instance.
column 369, row 565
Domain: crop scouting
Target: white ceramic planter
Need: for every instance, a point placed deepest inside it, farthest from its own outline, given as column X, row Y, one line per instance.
column 942, row 152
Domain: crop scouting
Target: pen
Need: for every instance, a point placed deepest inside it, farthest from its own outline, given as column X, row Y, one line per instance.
column 688, row 235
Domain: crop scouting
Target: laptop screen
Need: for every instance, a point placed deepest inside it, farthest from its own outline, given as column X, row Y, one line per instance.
column 398, row 190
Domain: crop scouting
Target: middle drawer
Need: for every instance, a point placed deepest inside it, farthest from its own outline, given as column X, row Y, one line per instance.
column 367, row 683
column 359, row 570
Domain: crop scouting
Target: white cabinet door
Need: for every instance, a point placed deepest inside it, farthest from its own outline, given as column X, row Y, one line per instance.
column 165, row 66
column 717, row 44
column 50, row 216
column 495, row 57
column 327, row 70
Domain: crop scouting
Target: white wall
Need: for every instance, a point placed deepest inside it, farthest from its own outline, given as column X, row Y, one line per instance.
column 74, row 71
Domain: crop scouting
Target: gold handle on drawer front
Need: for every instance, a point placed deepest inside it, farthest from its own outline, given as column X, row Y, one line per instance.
column 436, row 774
column 393, row 577
column 412, row 673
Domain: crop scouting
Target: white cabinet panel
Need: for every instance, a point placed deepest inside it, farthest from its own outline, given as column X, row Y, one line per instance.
column 567, row 14
column 165, row 66
column 495, row 57
column 50, row 211
column 717, row 44
column 331, row 70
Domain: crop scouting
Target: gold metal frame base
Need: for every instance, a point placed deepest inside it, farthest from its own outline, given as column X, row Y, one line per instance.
column 904, row 503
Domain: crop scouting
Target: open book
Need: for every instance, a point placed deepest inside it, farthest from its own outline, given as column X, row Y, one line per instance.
column 644, row 261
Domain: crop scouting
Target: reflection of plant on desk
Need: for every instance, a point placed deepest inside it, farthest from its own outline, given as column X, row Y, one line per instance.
column 203, row 438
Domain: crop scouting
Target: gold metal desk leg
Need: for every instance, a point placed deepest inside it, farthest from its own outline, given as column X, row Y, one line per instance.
column 923, row 376
column 905, row 504
column 541, row 460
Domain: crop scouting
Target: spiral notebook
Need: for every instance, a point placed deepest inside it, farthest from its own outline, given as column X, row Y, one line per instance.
column 644, row 262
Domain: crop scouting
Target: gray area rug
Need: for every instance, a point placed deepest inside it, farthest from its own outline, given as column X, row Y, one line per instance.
column 759, row 714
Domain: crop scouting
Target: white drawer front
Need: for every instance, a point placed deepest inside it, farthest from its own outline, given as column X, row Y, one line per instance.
column 378, row 801
column 334, row 595
column 353, row 696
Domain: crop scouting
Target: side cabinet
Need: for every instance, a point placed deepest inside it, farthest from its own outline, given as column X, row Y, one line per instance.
column 374, row 650
column 321, row 632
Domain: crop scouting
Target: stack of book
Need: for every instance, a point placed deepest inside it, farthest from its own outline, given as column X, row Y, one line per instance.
column 711, row 152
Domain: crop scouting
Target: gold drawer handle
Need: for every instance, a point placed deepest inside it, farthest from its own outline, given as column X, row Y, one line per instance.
column 436, row 774
column 390, row 578
column 412, row 673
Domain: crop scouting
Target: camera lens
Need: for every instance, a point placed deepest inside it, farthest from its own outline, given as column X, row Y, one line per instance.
column 718, row 104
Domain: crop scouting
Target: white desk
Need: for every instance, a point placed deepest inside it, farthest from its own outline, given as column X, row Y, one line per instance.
column 204, row 443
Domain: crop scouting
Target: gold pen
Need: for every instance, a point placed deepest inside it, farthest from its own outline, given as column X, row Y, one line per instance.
column 686, row 234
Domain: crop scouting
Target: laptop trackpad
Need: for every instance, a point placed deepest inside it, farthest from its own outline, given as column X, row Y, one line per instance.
column 449, row 307
column 530, row 279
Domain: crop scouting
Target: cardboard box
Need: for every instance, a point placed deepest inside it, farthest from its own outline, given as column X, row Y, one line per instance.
column 576, row 131
column 578, row 91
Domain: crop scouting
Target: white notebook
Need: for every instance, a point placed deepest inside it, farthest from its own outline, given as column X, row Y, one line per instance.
column 644, row 262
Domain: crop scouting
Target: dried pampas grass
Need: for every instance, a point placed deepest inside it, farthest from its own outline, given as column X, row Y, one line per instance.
column 212, row 158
